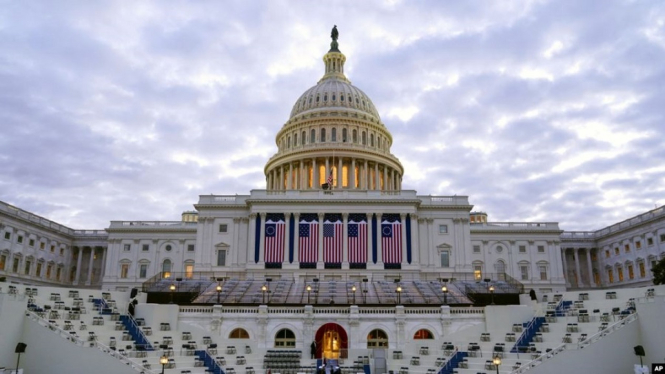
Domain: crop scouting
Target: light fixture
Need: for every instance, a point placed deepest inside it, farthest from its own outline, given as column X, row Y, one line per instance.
column 163, row 360
column 444, row 289
column 219, row 291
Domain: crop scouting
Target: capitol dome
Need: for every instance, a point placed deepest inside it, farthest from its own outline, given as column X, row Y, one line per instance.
column 334, row 138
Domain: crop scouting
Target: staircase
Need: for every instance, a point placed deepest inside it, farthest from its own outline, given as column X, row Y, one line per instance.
column 209, row 362
column 137, row 335
column 453, row 363
column 562, row 308
column 530, row 330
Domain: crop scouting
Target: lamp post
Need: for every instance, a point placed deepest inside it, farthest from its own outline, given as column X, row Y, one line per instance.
column 399, row 295
column 496, row 361
column 163, row 360
column 219, row 291
column 353, row 289
column 309, row 290
column 172, row 288
column 444, row 289
column 263, row 290
column 492, row 293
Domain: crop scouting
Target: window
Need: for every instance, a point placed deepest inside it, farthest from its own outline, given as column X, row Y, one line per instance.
column 49, row 268
column 124, row 270
column 476, row 249
column 221, row 257
column 20, row 239
column 28, row 264
column 477, row 270
column 541, row 249
column 168, row 248
column 189, row 269
column 333, row 135
column 295, row 139
column 423, row 334
column 8, row 235
column 166, row 268
column 127, row 247
column 631, row 273
column 355, row 136
column 322, row 138
column 15, row 265
column 649, row 241
column 38, row 272
column 500, row 267
column 364, row 141
column 638, row 244
column 542, row 269
column 344, row 136
column 190, row 247
column 522, row 248
column 499, row 249
column 303, row 137
column 371, row 140
column 143, row 271
column 377, row 339
column 52, row 248
column 610, row 275
column 3, row 262
column 146, row 247
column 620, row 274
column 239, row 334
column 607, row 253
column 285, row 338
column 62, row 251
column 223, row 227
column 58, row 272
column 42, row 246
column 617, row 251
column 524, row 272
column 312, row 136
column 627, row 248
column 31, row 242
column 662, row 238
column 642, row 269
column 443, row 229
column 445, row 259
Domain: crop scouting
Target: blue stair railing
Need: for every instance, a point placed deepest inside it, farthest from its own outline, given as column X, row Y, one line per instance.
column 530, row 330
column 561, row 309
column 453, row 362
column 136, row 333
column 209, row 362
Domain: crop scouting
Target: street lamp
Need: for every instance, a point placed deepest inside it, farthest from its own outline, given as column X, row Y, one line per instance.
column 353, row 289
column 492, row 293
column 163, row 360
column 172, row 288
column 219, row 291
column 399, row 295
column 496, row 361
column 309, row 290
column 264, row 289
column 444, row 289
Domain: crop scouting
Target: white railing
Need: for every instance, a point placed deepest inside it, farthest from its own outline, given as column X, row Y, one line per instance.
column 517, row 225
column 328, row 310
column 562, row 347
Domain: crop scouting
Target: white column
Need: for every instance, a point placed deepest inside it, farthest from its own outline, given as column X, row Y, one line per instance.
column 365, row 178
column 288, row 178
column 588, row 261
column 385, row 178
column 345, row 241
column 262, row 238
column 402, row 217
column 415, row 239
column 296, row 240
column 377, row 182
column 78, row 266
column 319, row 260
column 314, row 175
column 577, row 268
column 281, row 177
column 379, row 236
column 252, row 238
column 370, row 232
column 352, row 174
column 325, row 177
column 564, row 267
column 92, row 259
column 103, row 270
column 340, row 178
column 287, row 237
column 301, row 181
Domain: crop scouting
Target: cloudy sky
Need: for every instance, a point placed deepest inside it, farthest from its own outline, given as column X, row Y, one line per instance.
column 537, row 110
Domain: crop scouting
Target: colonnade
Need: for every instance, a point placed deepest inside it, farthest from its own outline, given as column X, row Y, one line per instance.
column 348, row 173
column 91, row 259
column 573, row 272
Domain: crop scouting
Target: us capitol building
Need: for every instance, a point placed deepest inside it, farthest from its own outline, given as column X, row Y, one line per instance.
column 334, row 209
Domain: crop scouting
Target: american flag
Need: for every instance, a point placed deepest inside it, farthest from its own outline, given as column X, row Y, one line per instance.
column 357, row 240
column 330, row 179
column 391, row 242
column 332, row 242
column 308, row 244
column 274, row 243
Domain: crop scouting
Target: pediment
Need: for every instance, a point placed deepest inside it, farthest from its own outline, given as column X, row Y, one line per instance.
column 222, row 245
column 444, row 246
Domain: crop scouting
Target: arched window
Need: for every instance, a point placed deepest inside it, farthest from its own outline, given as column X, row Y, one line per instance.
column 371, row 140
column 288, row 142
column 355, row 136
column 377, row 339
column 364, row 138
column 344, row 139
column 341, row 97
column 323, row 136
column 166, row 268
column 239, row 334
column 500, row 268
column 423, row 334
column 312, row 136
column 295, row 139
column 285, row 338
column 303, row 137
column 333, row 135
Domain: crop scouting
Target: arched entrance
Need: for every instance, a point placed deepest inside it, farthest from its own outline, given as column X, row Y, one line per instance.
column 331, row 342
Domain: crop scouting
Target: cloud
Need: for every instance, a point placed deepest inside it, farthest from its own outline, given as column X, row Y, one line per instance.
column 538, row 110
